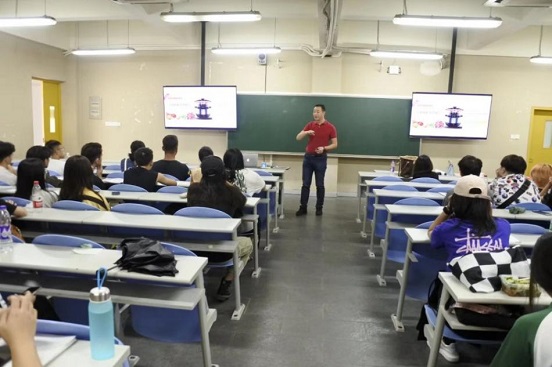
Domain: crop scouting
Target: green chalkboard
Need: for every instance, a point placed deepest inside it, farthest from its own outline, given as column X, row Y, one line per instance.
column 365, row 126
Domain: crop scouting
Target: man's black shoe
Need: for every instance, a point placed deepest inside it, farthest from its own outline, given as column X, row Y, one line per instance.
column 318, row 211
column 224, row 292
column 302, row 211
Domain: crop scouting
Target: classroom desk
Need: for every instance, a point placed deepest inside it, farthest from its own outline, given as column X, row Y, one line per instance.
column 251, row 202
column 452, row 287
column 162, row 222
column 280, row 173
column 57, row 259
column 7, row 190
column 364, row 176
column 80, row 351
column 379, row 193
column 419, row 236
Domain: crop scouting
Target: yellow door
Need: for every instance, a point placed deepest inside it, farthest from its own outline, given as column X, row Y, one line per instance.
column 51, row 91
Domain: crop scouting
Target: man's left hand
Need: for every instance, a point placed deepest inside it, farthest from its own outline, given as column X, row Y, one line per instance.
column 319, row 150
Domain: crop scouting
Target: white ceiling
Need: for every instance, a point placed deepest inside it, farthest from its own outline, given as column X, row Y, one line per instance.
column 287, row 23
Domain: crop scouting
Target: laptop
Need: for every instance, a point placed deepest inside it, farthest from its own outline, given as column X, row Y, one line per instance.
column 250, row 160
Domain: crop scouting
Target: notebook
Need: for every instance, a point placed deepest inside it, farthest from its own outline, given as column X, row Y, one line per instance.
column 250, row 160
column 48, row 347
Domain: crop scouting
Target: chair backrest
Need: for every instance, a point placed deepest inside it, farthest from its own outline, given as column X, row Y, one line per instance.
column 127, row 187
column 54, row 173
column 116, row 175
column 439, row 189
column 177, row 250
column 532, row 206
column 2, row 183
column 73, row 205
column 17, row 200
column 63, row 240
column 400, row 188
column 381, row 217
column 388, row 178
column 397, row 241
column 261, row 172
column 417, row 201
column 135, row 209
column 113, row 167
column 426, row 180
column 170, row 176
column 96, row 188
column 17, row 239
column 173, row 189
column 201, row 212
column 527, row 228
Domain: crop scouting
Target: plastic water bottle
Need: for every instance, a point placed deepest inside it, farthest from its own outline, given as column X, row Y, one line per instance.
column 392, row 166
column 100, row 318
column 450, row 169
column 5, row 231
column 36, row 197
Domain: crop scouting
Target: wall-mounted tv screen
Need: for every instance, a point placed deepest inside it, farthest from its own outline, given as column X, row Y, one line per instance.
column 200, row 107
column 450, row 116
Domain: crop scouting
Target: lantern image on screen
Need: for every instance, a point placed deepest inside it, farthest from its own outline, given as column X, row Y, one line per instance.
column 203, row 109
column 454, row 115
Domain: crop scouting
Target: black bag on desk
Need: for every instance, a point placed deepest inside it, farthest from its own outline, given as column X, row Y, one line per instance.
column 144, row 255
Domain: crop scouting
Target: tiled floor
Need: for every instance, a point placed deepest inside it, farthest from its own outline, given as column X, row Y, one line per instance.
column 317, row 303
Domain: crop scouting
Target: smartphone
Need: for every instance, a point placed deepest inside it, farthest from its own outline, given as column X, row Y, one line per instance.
column 31, row 289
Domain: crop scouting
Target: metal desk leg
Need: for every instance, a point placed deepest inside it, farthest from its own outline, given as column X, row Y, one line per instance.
column 257, row 272
column 240, row 308
column 438, row 332
column 385, row 247
column 363, row 233
column 281, row 197
column 205, row 344
column 359, row 192
column 397, row 318
column 268, row 246
column 373, row 225
column 276, row 228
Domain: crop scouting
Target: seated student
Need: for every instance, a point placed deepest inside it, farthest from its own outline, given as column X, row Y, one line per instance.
column 127, row 163
column 528, row 342
column 142, row 175
column 13, row 209
column 29, row 171
column 18, row 329
column 8, row 174
column 214, row 192
column 468, row 165
column 466, row 225
column 247, row 180
column 94, row 151
column 169, row 165
column 57, row 159
column 77, row 183
column 423, row 167
column 510, row 185
column 196, row 173
column 44, row 153
column 541, row 174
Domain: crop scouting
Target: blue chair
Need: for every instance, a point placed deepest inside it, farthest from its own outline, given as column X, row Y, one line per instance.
column 17, row 200
column 545, row 223
column 379, row 223
column 96, row 188
column 371, row 200
column 426, row 180
column 127, row 187
column 162, row 205
column 261, row 208
column 527, row 228
column 81, row 332
column 116, row 175
column 68, row 309
column 167, row 325
column 440, row 189
column 532, row 206
column 73, row 205
column 113, row 167
column 17, row 239
column 137, row 209
column 2, row 183
column 54, row 173
column 202, row 212
column 170, row 176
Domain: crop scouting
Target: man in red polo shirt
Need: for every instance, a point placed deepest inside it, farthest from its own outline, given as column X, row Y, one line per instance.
column 322, row 138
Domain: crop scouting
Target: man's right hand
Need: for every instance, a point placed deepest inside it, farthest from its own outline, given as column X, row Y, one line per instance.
column 309, row 132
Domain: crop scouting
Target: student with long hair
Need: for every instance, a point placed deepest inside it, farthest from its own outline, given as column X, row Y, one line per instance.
column 77, row 183
column 423, row 167
column 528, row 342
column 247, row 180
column 214, row 192
column 29, row 171
column 129, row 162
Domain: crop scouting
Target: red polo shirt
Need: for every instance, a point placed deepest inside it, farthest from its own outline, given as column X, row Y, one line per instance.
column 322, row 135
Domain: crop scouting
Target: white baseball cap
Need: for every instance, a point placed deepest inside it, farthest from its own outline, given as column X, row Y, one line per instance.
column 471, row 186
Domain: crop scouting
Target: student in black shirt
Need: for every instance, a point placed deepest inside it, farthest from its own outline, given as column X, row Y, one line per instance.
column 93, row 151
column 214, row 192
column 143, row 175
column 169, row 165
column 13, row 209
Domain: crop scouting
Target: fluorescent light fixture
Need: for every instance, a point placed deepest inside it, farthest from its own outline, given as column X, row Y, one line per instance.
column 438, row 21
column 27, row 21
column 224, row 16
column 413, row 55
column 541, row 59
column 103, row 52
column 245, row 50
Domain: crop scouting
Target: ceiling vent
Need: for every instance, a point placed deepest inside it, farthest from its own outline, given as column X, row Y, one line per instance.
column 520, row 3
column 146, row 2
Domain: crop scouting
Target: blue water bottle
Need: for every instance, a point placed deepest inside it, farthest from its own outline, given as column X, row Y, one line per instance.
column 100, row 319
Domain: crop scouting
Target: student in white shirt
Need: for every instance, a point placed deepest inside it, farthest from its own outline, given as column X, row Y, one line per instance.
column 247, row 180
column 7, row 172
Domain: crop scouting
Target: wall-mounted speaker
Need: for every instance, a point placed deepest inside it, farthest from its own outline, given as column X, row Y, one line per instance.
column 261, row 59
